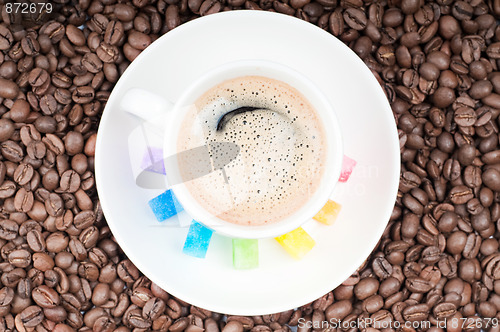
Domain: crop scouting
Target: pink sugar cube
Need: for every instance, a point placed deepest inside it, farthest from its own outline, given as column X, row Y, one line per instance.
column 348, row 165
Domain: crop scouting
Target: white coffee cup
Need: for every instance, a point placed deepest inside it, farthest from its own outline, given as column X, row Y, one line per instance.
column 167, row 117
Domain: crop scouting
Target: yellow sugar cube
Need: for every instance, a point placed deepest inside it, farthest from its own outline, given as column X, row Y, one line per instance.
column 297, row 242
column 328, row 214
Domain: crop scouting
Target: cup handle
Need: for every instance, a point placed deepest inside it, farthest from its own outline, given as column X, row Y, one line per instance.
column 146, row 140
column 148, row 106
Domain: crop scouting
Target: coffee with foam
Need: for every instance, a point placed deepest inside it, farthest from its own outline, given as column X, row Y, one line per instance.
column 282, row 150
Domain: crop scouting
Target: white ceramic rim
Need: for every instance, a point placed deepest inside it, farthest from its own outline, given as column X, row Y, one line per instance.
column 324, row 110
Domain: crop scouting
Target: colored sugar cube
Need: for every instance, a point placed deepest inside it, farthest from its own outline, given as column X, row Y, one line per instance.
column 165, row 205
column 245, row 253
column 152, row 160
column 348, row 165
column 197, row 240
column 297, row 242
column 328, row 213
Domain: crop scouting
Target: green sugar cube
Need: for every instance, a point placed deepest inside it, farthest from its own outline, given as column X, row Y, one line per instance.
column 245, row 253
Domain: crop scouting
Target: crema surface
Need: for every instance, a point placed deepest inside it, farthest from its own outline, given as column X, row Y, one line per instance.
column 282, row 150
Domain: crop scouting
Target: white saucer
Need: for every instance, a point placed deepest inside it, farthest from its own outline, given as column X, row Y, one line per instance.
column 280, row 282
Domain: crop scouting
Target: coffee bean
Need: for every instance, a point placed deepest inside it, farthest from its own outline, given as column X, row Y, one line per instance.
column 124, row 12
column 38, row 77
column 466, row 154
column 31, row 316
column 417, row 312
column 492, row 266
column 114, row 33
column 355, row 18
column 336, row 23
column 92, row 63
column 127, row 271
column 493, row 50
column 54, row 205
column 19, row 258
column 53, row 144
column 57, row 314
column 194, row 5
column 136, row 320
column 6, row 296
column 465, row 116
column 23, row 200
column 56, row 242
column 8, row 89
column 75, row 35
column 460, row 194
column 7, row 189
column 210, row 7
column 382, row 268
column 107, row 53
column 45, row 297
column 139, row 40
column 487, row 309
column 389, row 286
column 6, row 37
column 77, row 249
column 472, row 177
column 443, row 97
column 89, row 237
column 43, row 261
column 472, row 246
column 338, row 310
column 491, row 178
column 6, row 129
column 100, row 294
column 393, row 17
column 365, row 288
column 83, row 94
column 489, row 246
column 233, row 326
column 429, row 71
column 381, row 318
column 418, row 285
column 444, row 310
column 431, row 255
column 12, row 151
column 413, row 204
column 451, row 169
column 8, row 229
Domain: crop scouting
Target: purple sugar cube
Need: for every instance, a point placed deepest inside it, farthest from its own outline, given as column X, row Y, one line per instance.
column 152, row 160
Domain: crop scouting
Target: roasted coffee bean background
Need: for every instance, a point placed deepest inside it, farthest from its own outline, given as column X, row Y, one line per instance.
column 437, row 61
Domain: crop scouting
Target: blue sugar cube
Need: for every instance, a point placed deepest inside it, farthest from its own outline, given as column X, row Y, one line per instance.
column 197, row 240
column 165, row 205
column 245, row 253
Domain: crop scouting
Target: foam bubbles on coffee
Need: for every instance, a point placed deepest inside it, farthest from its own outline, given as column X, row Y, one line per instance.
column 282, row 150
